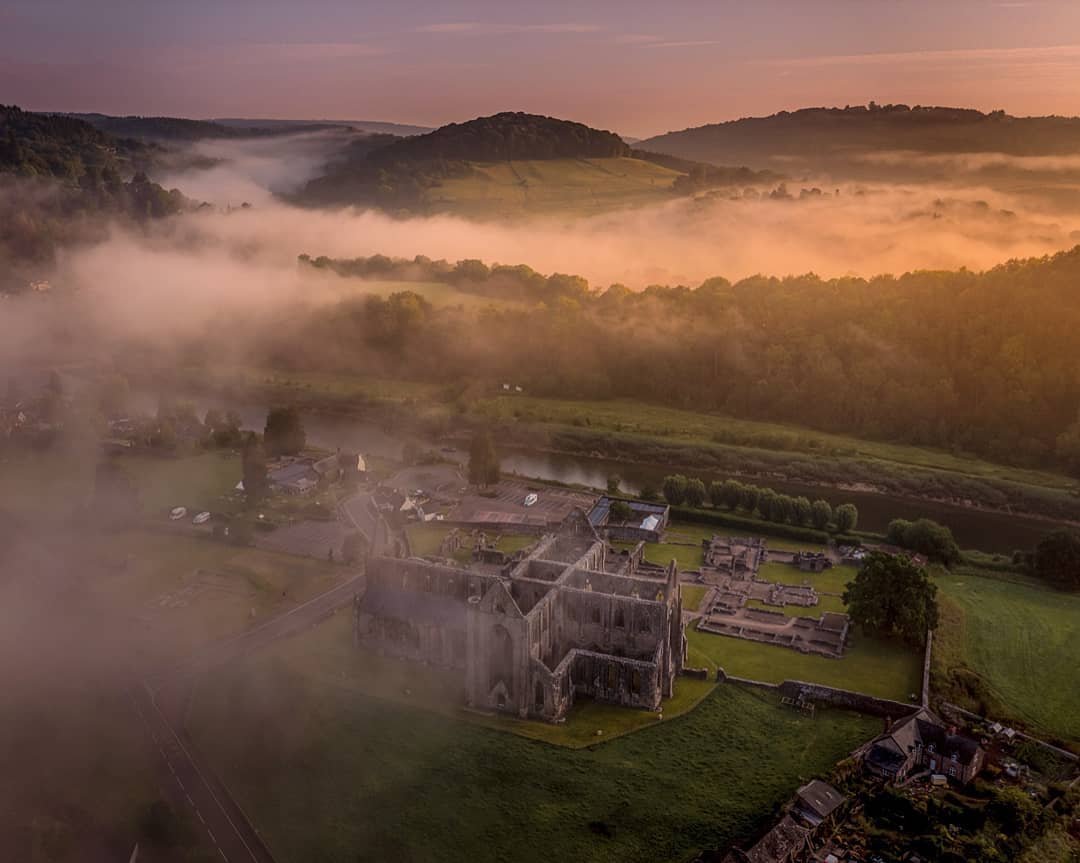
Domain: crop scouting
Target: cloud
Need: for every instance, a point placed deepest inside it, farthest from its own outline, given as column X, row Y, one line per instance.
column 687, row 43
column 1066, row 53
column 484, row 28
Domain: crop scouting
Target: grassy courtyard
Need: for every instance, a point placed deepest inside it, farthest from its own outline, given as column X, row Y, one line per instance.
column 875, row 667
column 832, row 580
column 1009, row 648
column 331, row 774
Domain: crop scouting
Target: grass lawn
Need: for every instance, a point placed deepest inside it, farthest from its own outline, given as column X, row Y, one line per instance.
column 874, row 667
column 1020, row 641
column 199, row 482
column 189, row 591
column 692, row 595
column 687, row 557
column 332, row 775
column 831, row 580
column 684, row 531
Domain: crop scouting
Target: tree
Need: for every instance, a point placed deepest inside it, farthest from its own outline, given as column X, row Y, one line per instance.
column 925, row 537
column 613, row 482
column 674, row 489
column 804, row 511
column 621, row 511
column 893, row 598
column 821, row 514
column 253, row 466
column 284, row 432
column 749, row 496
column 695, row 492
column 847, row 517
column 765, row 503
column 1057, row 559
column 484, row 467
column 730, row 494
column 649, row 492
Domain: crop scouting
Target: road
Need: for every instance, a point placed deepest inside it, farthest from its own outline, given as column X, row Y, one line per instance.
column 162, row 702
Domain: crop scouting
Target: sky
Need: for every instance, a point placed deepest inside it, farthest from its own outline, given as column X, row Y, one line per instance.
column 638, row 68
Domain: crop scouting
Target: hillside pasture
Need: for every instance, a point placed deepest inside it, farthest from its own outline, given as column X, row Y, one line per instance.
column 1010, row 648
column 575, row 186
column 330, row 774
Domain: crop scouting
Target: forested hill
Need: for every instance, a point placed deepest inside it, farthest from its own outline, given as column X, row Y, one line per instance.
column 50, row 145
column 814, row 133
column 405, row 174
column 509, row 135
column 86, row 173
column 181, row 129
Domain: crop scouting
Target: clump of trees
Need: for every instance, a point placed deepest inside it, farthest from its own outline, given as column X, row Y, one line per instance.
column 765, row 503
column 284, row 432
column 891, row 597
column 1057, row 559
column 925, row 536
column 484, row 467
column 253, row 469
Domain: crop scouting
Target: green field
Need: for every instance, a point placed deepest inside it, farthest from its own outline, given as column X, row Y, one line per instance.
column 553, row 186
column 1011, row 649
column 692, row 595
column 199, row 482
column 877, row 668
column 333, row 775
column 832, row 580
column 188, row 591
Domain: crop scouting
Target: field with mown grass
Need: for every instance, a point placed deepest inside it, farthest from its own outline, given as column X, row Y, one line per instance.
column 332, row 774
column 1009, row 648
column 553, row 186
column 872, row 666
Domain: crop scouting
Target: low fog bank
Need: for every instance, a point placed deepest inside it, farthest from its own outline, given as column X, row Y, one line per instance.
column 232, row 172
column 859, row 231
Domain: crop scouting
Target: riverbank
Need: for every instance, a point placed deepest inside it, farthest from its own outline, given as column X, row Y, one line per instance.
column 992, row 507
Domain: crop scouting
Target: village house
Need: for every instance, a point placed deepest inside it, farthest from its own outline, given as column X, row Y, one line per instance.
column 817, row 803
column 922, row 741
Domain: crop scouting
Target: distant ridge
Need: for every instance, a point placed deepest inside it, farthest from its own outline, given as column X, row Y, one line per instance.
column 373, row 126
column 827, row 135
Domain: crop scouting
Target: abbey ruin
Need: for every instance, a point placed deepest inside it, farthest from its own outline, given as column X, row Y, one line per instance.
column 568, row 617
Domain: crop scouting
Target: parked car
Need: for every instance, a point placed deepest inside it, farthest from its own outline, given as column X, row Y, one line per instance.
column 531, row 498
column 201, row 518
column 178, row 513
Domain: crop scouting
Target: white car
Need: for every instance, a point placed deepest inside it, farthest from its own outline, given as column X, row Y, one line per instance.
column 178, row 513
column 201, row 518
column 531, row 498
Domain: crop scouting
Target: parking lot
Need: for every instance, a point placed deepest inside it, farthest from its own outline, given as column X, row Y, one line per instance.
column 505, row 504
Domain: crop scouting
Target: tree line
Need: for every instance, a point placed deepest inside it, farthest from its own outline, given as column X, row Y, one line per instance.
column 976, row 363
column 764, row 503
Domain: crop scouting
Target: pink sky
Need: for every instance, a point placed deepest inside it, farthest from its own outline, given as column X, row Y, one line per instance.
column 639, row 68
